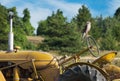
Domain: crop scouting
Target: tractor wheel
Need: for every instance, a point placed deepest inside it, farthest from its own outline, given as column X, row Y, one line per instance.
column 83, row 72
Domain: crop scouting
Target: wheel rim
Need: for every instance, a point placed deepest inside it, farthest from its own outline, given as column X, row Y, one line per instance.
column 94, row 50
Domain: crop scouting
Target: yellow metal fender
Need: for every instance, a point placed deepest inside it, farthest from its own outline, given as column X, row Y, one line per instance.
column 25, row 58
column 43, row 64
column 2, row 78
column 113, row 71
column 107, row 58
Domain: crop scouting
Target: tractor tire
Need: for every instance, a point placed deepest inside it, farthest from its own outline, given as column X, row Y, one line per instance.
column 83, row 72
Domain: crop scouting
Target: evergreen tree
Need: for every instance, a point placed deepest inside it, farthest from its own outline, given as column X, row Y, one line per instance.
column 42, row 28
column 53, row 26
column 116, row 23
column 97, row 27
column 117, row 13
column 28, row 28
column 4, row 27
column 109, row 41
column 82, row 17
column 60, row 34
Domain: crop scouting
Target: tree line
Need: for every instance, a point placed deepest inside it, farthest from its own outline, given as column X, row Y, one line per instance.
column 65, row 36
column 59, row 33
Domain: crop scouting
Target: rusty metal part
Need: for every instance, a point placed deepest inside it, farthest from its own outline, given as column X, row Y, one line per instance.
column 74, row 56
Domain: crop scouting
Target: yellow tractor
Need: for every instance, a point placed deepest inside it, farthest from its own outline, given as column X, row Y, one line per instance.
column 41, row 66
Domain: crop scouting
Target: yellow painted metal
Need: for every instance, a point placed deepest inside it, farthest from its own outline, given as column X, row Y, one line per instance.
column 76, row 57
column 34, row 69
column 112, row 68
column 113, row 71
column 2, row 78
column 16, row 74
column 17, row 47
column 107, row 58
column 49, row 74
column 44, row 65
column 42, row 59
column 116, row 80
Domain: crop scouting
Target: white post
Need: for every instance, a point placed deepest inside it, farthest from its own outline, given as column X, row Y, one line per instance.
column 11, row 24
column 10, row 35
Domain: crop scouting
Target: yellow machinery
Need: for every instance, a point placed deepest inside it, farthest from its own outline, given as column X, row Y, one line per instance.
column 29, row 65
column 105, row 62
column 102, row 66
column 41, row 66
column 2, row 78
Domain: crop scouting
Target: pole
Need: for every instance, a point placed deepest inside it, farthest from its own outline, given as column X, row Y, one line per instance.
column 10, row 35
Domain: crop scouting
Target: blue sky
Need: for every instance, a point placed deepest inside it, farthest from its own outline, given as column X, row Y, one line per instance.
column 40, row 9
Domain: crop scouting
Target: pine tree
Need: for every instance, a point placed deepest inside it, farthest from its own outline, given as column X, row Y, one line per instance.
column 109, row 41
column 28, row 28
column 82, row 17
column 117, row 13
column 60, row 34
column 4, row 27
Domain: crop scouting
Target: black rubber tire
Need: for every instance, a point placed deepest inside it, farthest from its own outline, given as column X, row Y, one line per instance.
column 95, row 49
column 75, row 73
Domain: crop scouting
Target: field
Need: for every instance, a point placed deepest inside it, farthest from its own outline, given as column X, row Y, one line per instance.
column 35, row 39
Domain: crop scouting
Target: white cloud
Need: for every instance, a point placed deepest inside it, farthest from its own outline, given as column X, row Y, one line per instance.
column 39, row 14
column 69, row 9
column 41, row 9
column 5, row 2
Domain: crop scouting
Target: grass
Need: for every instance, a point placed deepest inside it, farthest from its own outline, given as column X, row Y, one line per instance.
column 35, row 39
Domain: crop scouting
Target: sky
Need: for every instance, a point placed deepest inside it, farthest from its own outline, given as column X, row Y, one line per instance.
column 41, row 9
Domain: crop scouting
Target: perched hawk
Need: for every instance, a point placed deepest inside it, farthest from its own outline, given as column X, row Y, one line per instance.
column 87, row 29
